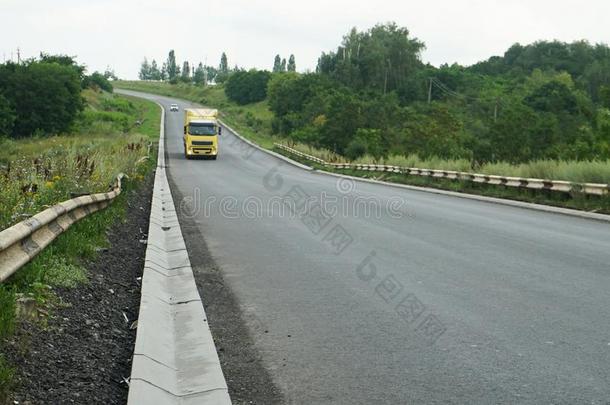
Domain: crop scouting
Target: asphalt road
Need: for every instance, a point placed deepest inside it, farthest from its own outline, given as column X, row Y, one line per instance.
column 423, row 299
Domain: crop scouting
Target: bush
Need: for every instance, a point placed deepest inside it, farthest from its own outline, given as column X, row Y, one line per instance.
column 247, row 87
column 45, row 96
column 355, row 149
column 97, row 80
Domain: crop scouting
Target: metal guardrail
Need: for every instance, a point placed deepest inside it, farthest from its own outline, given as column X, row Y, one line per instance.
column 538, row 184
column 23, row 241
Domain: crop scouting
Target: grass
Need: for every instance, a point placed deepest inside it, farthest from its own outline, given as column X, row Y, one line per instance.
column 112, row 136
column 6, row 378
column 324, row 154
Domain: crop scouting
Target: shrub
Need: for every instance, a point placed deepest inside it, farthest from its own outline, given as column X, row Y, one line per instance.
column 45, row 96
column 247, row 87
column 97, row 80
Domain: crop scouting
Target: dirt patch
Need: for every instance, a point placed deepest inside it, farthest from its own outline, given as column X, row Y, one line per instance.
column 83, row 354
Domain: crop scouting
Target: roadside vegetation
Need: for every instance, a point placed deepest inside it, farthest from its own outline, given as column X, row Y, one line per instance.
column 41, row 165
column 540, row 110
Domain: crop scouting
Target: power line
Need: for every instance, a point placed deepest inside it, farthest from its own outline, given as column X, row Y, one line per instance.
column 446, row 90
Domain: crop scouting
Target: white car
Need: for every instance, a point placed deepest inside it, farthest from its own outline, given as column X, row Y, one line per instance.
column 173, row 107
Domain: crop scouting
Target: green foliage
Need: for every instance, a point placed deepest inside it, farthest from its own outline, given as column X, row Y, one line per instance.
column 7, row 310
column 119, row 104
column 605, row 96
column 537, row 101
column 97, row 80
column 92, row 120
column 382, row 58
column 6, row 378
column 171, row 66
column 224, row 64
column 44, row 95
column 277, row 64
column 151, row 71
column 247, row 87
column 7, row 116
column 292, row 66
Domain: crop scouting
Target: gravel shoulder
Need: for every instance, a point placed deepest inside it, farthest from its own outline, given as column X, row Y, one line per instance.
column 82, row 353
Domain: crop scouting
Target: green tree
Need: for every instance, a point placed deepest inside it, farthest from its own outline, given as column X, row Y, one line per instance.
column 64, row 60
column 109, row 74
column 224, row 64
column 163, row 73
column 186, row 72
column 155, row 73
column 144, row 73
column 292, row 66
column 172, row 68
column 7, row 116
column 46, row 96
column 604, row 93
column 283, row 65
column 247, row 87
column 96, row 79
column 199, row 76
column 382, row 58
column 277, row 64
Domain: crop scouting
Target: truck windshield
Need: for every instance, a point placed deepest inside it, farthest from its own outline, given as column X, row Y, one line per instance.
column 202, row 129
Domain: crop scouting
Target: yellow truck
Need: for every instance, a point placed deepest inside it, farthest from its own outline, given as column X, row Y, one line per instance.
column 201, row 130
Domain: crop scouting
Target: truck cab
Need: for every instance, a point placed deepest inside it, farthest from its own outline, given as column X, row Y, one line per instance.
column 201, row 130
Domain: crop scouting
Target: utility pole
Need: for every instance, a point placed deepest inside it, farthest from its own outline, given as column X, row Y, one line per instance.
column 430, row 92
column 496, row 110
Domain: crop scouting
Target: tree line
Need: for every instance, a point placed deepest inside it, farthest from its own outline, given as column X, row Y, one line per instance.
column 171, row 71
column 374, row 95
column 43, row 95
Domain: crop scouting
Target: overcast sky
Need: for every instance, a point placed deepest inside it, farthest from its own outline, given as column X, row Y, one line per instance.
column 120, row 33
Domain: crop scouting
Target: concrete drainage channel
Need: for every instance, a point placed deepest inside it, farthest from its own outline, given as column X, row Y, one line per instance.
column 174, row 360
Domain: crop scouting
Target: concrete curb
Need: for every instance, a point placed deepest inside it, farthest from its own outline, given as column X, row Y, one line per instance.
column 174, row 360
column 512, row 203
column 269, row 152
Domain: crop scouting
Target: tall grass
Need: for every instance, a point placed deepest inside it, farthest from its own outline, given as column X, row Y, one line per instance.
column 573, row 171
column 321, row 153
column 576, row 171
column 42, row 171
column 111, row 137
column 415, row 161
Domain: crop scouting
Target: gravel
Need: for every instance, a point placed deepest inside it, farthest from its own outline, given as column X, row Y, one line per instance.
column 83, row 353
